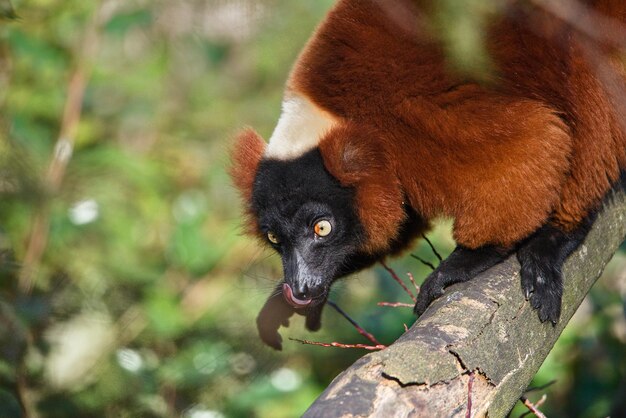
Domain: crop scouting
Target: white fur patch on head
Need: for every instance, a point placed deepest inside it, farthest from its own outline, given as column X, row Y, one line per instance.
column 299, row 129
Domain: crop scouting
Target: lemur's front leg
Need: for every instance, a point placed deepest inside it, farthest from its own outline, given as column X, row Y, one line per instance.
column 460, row 266
column 541, row 257
column 277, row 311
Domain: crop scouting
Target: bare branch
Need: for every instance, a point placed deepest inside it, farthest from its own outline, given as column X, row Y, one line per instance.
column 340, row 345
column 395, row 304
column 397, row 279
column 534, row 408
column 354, row 323
column 412, row 279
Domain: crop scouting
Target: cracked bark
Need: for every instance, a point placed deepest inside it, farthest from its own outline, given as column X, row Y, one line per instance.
column 484, row 326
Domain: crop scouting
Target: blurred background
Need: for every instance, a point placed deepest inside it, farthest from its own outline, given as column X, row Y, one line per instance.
column 126, row 286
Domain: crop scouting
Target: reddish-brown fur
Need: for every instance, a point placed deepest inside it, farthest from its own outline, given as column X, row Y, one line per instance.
column 541, row 141
column 246, row 156
column 362, row 164
column 543, row 138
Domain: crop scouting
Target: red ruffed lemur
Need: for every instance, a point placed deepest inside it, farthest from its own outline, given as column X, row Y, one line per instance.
column 377, row 137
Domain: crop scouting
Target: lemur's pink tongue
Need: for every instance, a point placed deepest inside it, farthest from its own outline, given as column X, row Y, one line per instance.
column 292, row 300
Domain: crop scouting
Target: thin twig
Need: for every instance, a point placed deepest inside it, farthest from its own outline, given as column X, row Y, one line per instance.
column 542, row 387
column 395, row 304
column 412, row 279
column 421, row 260
column 537, row 405
column 534, row 407
column 24, row 397
column 354, row 323
column 432, row 247
column 400, row 282
column 468, row 414
column 542, row 400
column 340, row 345
column 65, row 142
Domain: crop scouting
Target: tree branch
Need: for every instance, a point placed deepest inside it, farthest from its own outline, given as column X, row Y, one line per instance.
column 482, row 329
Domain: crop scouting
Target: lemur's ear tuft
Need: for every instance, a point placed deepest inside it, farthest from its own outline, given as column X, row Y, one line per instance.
column 245, row 157
column 354, row 155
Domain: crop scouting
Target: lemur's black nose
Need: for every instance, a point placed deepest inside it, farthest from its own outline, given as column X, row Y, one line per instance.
column 302, row 292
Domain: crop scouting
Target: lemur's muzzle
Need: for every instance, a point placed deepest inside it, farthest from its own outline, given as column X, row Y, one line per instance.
column 297, row 301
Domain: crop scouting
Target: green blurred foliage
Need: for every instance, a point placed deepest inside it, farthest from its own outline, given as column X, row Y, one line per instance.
column 459, row 26
column 146, row 293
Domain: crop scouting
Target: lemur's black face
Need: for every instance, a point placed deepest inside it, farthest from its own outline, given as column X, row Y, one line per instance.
column 309, row 218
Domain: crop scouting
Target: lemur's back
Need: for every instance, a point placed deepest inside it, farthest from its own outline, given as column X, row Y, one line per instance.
column 582, row 78
column 368, row 59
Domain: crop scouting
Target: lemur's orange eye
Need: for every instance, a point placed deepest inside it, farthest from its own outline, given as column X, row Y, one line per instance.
column 322, row 228
column 272, row 238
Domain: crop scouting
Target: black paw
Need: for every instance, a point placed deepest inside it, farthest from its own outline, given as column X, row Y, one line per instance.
column 274, row 314
column 430, row 290
column 541, row 258
column 542, row 285
column 313, row 320
column 462, row 265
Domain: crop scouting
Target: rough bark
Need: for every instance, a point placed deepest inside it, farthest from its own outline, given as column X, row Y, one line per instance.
column 484, row 326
